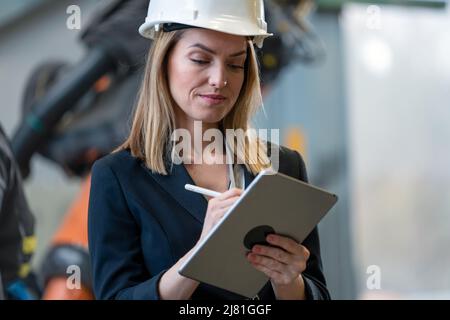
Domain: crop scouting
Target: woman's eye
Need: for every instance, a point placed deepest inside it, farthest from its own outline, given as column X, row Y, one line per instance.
column 203, row 62
column 199, row 61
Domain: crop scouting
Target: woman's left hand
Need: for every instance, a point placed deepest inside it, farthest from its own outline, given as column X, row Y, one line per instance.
column 283, row 265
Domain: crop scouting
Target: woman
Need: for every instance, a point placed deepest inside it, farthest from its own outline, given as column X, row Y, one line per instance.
column 143, row 224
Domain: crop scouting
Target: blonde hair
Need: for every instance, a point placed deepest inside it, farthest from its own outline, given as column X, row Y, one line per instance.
column 154, row 117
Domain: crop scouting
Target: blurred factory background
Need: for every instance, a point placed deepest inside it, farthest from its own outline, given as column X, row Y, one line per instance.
column 361, row 89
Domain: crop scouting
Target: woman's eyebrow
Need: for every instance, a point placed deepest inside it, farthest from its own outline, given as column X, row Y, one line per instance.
column 203, row 47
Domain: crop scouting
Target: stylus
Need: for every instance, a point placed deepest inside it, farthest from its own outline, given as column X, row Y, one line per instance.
column 201, row 190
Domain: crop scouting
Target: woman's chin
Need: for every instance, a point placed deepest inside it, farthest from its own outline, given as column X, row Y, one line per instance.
column 209, row 116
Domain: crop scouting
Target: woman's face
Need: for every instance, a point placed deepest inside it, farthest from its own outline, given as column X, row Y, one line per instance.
column 206, row 73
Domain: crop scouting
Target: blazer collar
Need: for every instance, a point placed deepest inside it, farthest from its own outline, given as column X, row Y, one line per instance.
column 194, row 203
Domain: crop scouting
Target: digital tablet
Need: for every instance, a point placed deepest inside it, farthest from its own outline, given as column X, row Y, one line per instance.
column 272, row 203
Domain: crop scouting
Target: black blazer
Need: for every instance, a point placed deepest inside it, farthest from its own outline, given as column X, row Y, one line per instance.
column 142, row 223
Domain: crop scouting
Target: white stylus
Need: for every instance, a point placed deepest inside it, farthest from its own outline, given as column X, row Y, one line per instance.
column 201, row 190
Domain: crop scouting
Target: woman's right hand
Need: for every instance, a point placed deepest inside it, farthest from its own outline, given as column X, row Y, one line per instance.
column 217, row 207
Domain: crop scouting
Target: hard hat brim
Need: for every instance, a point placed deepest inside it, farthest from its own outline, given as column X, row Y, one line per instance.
column 147, row 29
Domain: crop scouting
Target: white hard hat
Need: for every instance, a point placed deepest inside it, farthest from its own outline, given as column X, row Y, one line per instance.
column 239, row 17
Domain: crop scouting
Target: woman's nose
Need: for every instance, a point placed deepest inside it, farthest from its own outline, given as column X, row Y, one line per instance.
column 217, row 78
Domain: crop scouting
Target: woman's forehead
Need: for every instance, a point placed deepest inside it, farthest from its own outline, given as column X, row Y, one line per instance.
column 215, row 41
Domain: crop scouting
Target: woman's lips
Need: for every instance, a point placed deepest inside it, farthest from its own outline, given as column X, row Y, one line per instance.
column 213, row 99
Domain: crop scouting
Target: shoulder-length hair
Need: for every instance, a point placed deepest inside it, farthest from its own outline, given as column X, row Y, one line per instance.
column 154, row 116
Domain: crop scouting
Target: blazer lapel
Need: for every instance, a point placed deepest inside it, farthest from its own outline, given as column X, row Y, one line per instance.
column 174, row 182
